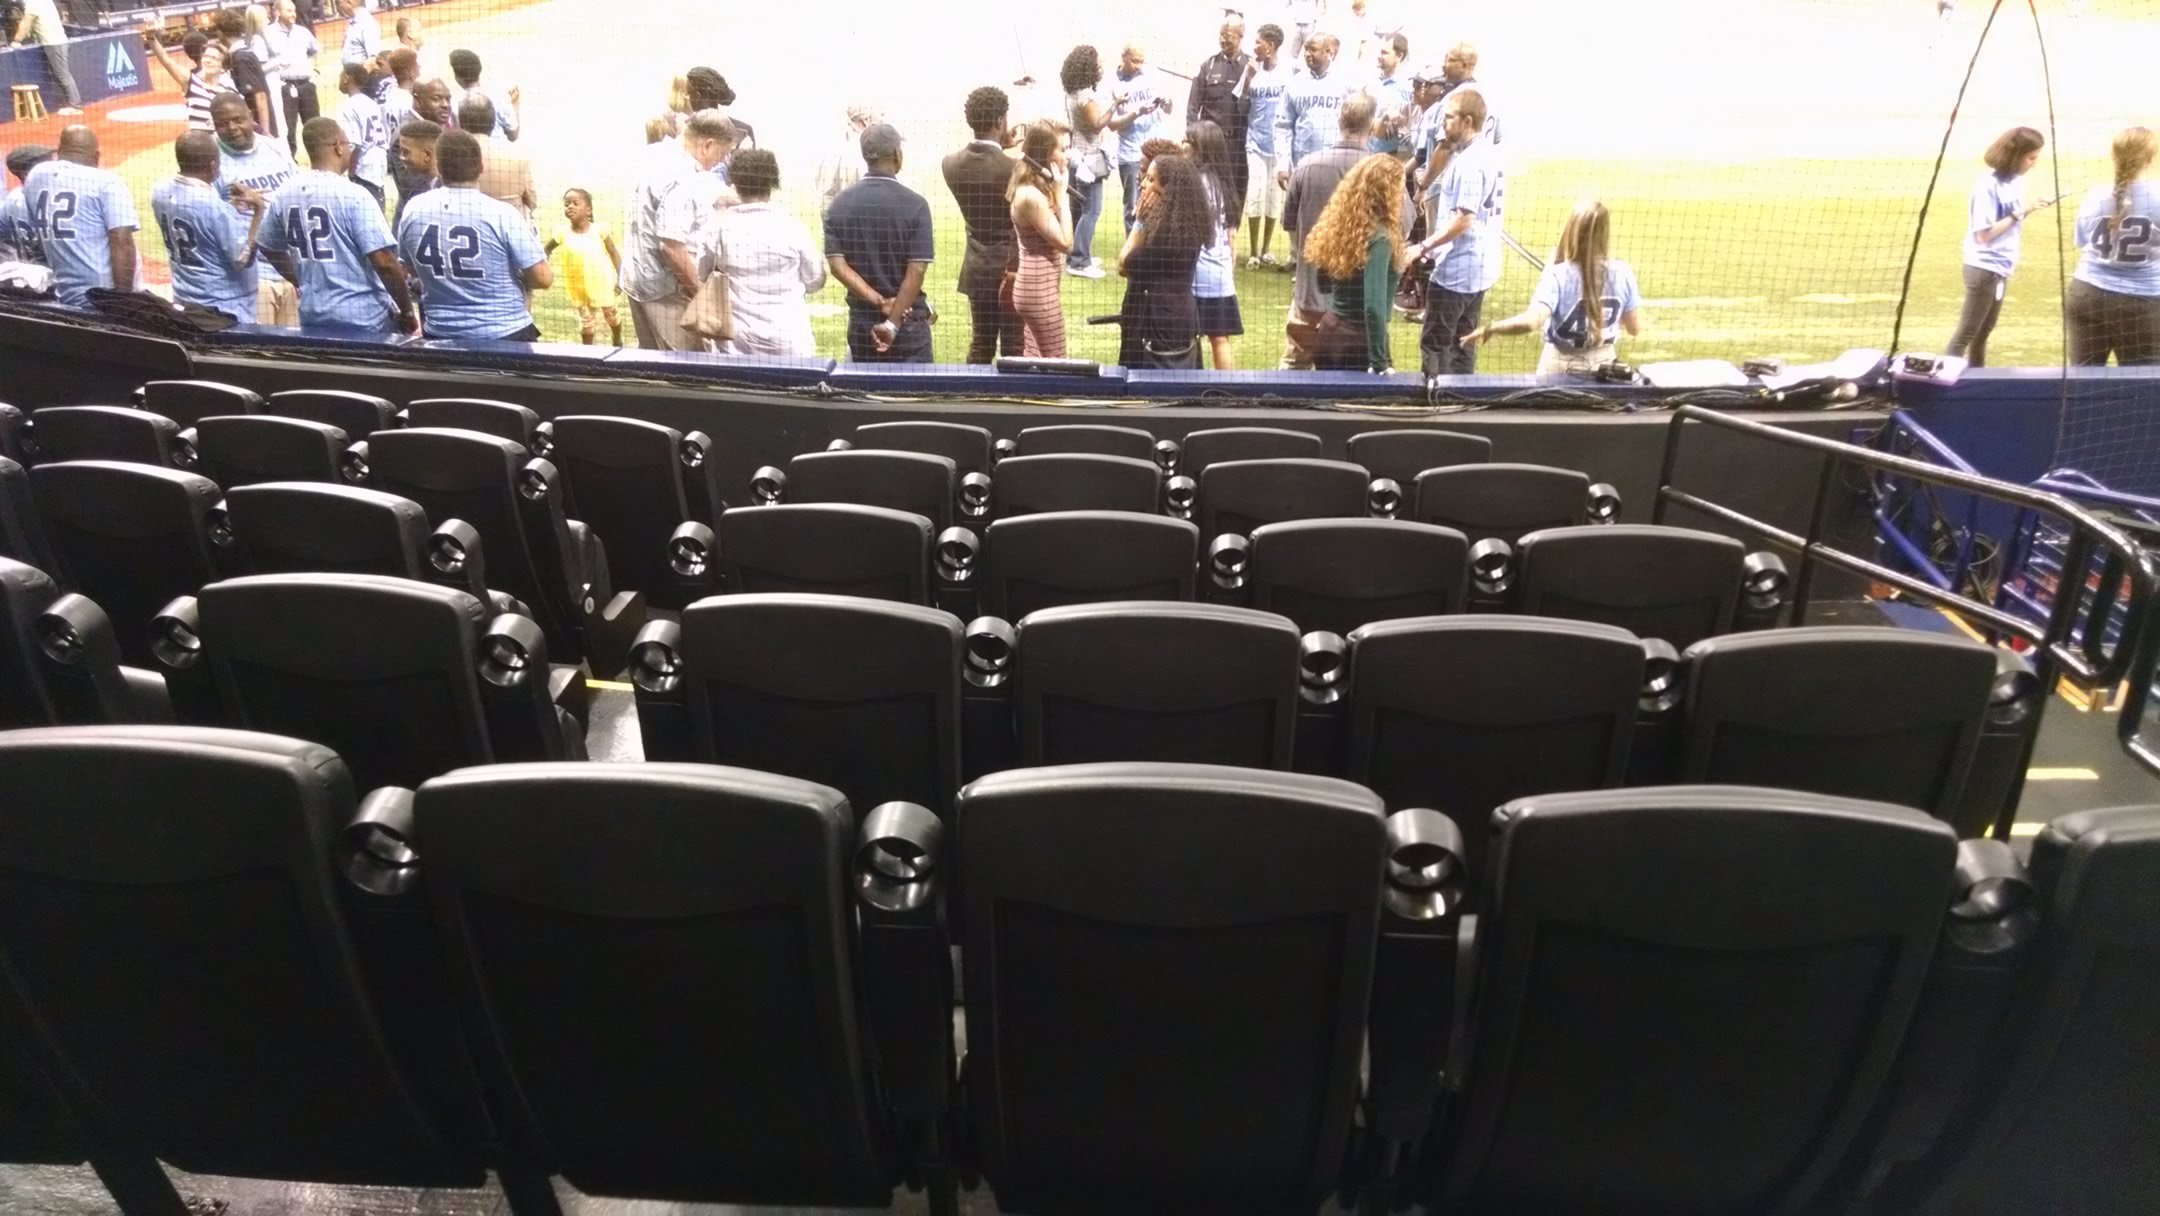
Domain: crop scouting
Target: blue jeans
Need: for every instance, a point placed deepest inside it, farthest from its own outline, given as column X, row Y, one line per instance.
column 1128, row 173
column 1087, row 208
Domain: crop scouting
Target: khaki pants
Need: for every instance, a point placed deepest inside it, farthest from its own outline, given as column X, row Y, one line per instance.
column 277, row 302
column 1296, row 358
column 659, row 325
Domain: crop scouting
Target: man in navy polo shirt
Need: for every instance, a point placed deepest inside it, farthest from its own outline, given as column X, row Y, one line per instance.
column 879, row 244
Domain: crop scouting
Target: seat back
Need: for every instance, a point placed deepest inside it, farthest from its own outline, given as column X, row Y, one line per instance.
column 1462, row 713
column 897, row 481
column 1638, row 944
column 1240, row 495
column 11, row 433
column 1204, row 449
column 130, row 536
column 1675, row 584
column 59, row 662
column 627, row 478
column 1030, row 485
column 22, row 534
column 359, row 415
column 1194, row 943
column 386, row 671
column 105, row 432
column 170, row 919
column 852, row 693
column 2068, row 1115
column 1339, row 574
column 655, row 1018
column 245, row 449
column 1503, row 501
column 512, row 501
column 188, row 402
column 310, row 527
column 1401, row 455
column 1184, row 683
column 968, row 447
column 501, row 419
column 1086, row 439
column 829, row 548
column 1033, row 562
column 1889, row 714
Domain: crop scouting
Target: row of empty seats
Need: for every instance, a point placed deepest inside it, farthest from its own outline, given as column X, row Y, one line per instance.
column 1187, row 989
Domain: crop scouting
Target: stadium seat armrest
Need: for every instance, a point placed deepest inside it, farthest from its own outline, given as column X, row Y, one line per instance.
column 515, row 691
column 374, row 849
column 176, row 644
column 1765, row 587
column 187, row 451
column 353, row 467
column 610, row 632
column 149, row 697
column 1492, row 569
column 991, row 656
column 691, row 550
column 1229, row 558
column 456, row 557
column 1415, row 974
column 907, row 966
column 663, row 690
column 955, row 556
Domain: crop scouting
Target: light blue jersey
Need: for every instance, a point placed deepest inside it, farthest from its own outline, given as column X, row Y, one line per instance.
column 2121, row 257
column 1265, row 96
column 1136, row 95
column 1310, row 118
column 329, row 226
column 367, row 128
column 1559, row 291
column 72, row 208
column 206, row 245
column 1993, row 201
column 17, row 238
column 1394, row 98
column 469, row 252
column 262, row 168
column 1472, row 182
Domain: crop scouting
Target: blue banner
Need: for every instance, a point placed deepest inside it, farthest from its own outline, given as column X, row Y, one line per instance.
column 104, row 65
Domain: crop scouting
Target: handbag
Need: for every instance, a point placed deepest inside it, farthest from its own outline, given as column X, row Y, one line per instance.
column 709, row 314
column 1157, row 356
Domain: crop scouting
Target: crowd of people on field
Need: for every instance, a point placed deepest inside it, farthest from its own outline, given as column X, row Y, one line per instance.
column 410, row 207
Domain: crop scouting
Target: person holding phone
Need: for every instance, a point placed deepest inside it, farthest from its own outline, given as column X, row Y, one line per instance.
column 1043, row 226
column 1996, row 221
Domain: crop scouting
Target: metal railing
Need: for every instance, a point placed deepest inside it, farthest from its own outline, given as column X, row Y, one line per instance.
column 2071, row 640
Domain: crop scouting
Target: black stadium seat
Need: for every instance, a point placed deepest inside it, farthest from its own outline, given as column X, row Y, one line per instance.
column 106, row 432
column 1203, row 449
column 130, row 536
column 929, row 486
column 831, row 548
column 60, row 663
column 302, row 527
column 1338, row 574
column 171, row 919
column 1460, row 714
column 188, row 402
column 1502, row 501
column 1168, row 977
column 1400, row 456
column 1687, row 999
column 11, row 433
column 501, row 419
column 244, row 449
column 635, row 483
column 534, row 552
column 2065, row 1115
column 1185, row 683
column 1895, row 715
column 22, row 534
column 970, row 448
column 1675, row 584
column 404, row 680
column 657, row 1018
column 359, row 415
column 857, row 694
column 1086, row 439
column 1029, row 485
column 1237, row 496
column 1086, row 557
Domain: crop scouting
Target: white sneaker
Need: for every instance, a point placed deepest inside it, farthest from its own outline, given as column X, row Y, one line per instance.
column 1093, row 270
column 68, row 110
column 1252, row 263
column 1268, row 260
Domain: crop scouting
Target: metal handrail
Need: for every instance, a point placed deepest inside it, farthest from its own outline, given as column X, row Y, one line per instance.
column 2128, row 577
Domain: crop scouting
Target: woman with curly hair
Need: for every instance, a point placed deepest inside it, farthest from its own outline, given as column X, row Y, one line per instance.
column 1357, row 248
column 1088, row 119
column 1161, row 319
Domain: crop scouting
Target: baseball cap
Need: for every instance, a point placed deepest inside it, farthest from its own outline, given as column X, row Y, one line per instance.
column 880, row 140
column 26, row 157
column 1431, row 73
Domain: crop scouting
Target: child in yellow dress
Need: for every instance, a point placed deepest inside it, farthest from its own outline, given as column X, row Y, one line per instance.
column 591, row 267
